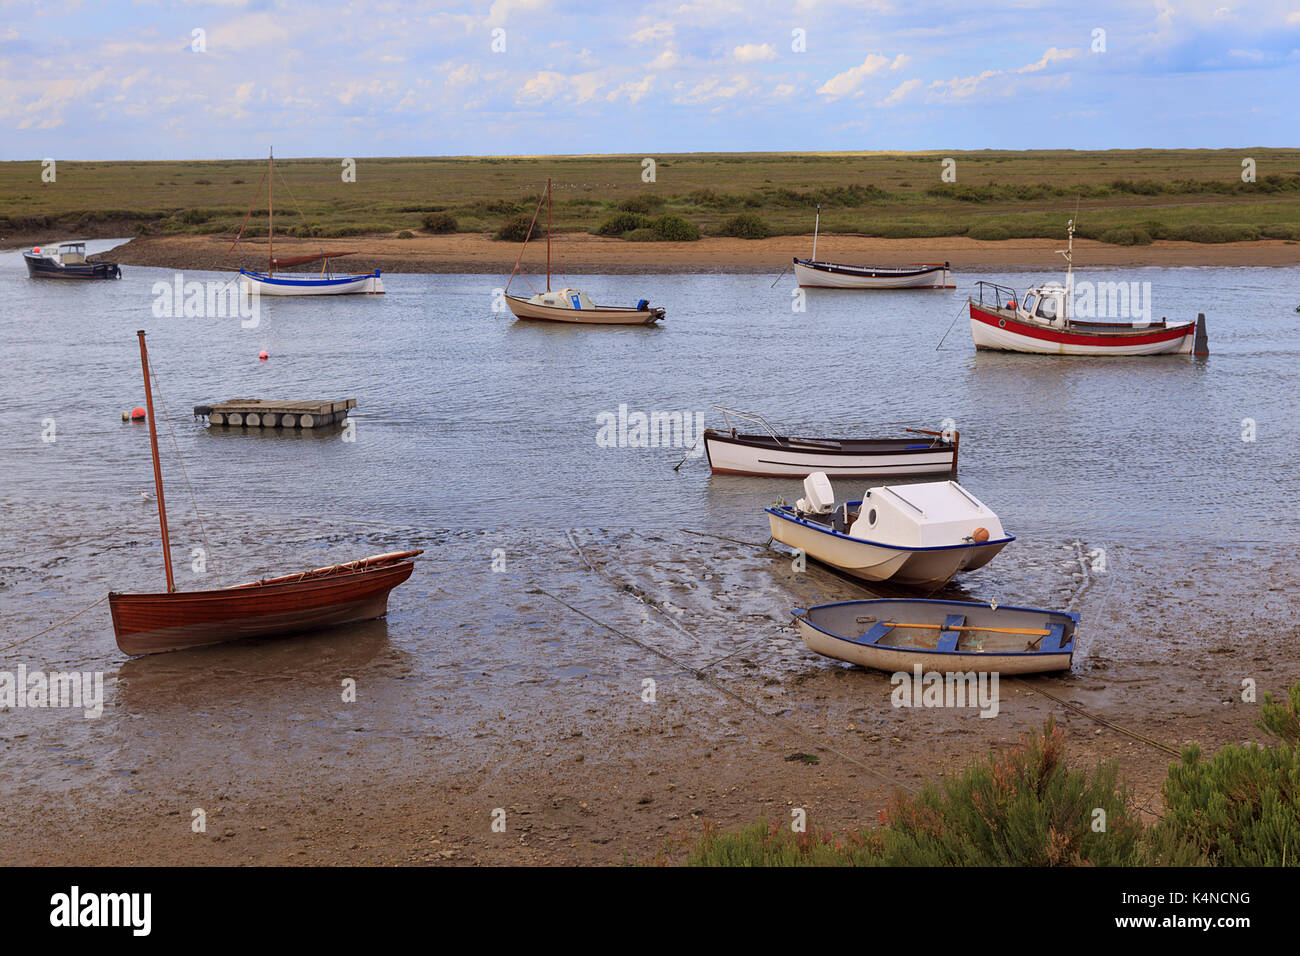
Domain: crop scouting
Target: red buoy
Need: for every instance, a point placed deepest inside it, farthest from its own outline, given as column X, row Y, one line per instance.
column 137, row 414
column 264, row 355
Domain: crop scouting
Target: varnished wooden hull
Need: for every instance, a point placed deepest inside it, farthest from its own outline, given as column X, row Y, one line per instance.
column 154, row 623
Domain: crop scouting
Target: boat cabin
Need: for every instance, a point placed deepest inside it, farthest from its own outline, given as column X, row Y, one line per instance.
column 1046, row 304
column 65, row 254
column 929, row 515
column 932, row 514
column 563, row 299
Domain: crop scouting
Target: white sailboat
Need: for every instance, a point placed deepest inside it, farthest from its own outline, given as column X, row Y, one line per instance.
column 572, row 305
column 326, row 283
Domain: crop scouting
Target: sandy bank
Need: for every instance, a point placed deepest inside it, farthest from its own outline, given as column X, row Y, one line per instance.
column 581, row 253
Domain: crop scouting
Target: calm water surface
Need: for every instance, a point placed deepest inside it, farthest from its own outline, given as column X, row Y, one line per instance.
column 475, row 433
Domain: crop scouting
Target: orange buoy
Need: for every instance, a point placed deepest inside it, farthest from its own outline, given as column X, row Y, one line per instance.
column 264, row 355
column 981, row 535
column 136, row 414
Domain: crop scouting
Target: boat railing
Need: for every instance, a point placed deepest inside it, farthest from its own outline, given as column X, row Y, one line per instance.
column 747, row 416
column 1001, row 294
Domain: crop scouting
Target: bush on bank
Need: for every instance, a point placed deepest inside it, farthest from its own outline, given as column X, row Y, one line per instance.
column 1025, row 807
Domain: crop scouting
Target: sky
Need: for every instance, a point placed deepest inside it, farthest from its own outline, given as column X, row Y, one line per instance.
column 175, row 79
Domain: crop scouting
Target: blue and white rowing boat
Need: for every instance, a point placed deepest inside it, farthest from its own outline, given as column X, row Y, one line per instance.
column 902, row 634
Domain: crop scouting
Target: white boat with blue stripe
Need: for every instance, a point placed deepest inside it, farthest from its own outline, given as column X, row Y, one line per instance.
column 325, row 283
column 948, row 636
column 269, row 283
column 919, row 535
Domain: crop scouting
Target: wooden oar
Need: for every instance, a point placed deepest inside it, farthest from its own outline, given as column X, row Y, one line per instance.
column 969, row 627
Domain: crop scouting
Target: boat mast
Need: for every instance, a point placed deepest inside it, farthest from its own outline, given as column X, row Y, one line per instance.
column 1069, row 270
column 816, row 225
column 157, row 469
column 548, row 234
column 270, row 221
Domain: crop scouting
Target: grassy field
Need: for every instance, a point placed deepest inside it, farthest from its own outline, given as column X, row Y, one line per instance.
column 1122, row 196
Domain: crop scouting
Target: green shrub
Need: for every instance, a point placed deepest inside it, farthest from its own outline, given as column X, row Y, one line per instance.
column 1242, row 806
column 406, row 234
column 1280, row 230
column 516, row 228
column 622, row 222
column 988, row 231
column 1204, row 232
column 746, row 226
column 670, row 228
column 1022, row 807
column 1126, row 237
column 636, row 205
column 440, row 222
column 642, row 235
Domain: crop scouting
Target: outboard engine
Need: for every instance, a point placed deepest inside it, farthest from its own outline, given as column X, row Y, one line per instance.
column 818, row 497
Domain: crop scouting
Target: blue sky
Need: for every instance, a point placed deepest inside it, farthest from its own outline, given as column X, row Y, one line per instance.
column 124, row 80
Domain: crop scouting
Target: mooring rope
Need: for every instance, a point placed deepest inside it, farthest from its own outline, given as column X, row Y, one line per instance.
column 727, row 692
column 700, row 673
column 203, row 531
column 58, row 624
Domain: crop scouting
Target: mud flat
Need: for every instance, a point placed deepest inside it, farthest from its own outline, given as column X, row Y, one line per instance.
column 486, row 691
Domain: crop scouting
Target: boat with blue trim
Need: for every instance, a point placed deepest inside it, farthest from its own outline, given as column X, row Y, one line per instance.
column 326, row 283
column 951, row 636
column 67, row 261
column 570, row 305
column 920, row 535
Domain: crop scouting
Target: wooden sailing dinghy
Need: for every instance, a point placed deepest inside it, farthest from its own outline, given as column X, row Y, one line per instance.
column 571, row 305
column 900, row 634
column 325, row 597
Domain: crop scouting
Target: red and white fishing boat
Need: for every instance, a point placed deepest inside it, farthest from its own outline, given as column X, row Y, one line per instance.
column 1041, row 322
column 325, row 597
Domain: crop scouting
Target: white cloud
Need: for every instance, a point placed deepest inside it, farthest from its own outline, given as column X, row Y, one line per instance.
column 842, row 84
column 754, row 53
column 656, row 31
column 899, row 93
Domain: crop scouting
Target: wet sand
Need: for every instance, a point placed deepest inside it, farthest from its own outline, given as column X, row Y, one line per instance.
column 515, row 701
column 582, row 253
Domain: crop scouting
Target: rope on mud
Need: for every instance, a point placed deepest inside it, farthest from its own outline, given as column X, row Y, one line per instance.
column 705, row 534
column 58, row 624
column 1102, row 720
column 727, row 692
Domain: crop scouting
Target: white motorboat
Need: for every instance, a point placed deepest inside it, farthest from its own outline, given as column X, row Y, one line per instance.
column 919, row 535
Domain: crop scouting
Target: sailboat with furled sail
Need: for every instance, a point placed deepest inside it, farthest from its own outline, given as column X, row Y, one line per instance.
column 570, row 305
column 307, row 601
column 326, row 283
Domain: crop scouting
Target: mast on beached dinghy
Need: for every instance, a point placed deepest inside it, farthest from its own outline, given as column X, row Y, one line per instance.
column 157, row 468
column 816, row 226
column 1068, row 252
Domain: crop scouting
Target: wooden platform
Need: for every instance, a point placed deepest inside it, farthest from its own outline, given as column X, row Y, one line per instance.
column 269, row 413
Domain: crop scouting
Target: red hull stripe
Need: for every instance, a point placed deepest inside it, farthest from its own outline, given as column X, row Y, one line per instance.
column 1073, row 338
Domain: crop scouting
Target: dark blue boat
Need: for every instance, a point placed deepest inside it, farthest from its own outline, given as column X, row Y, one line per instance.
column 68, row 261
